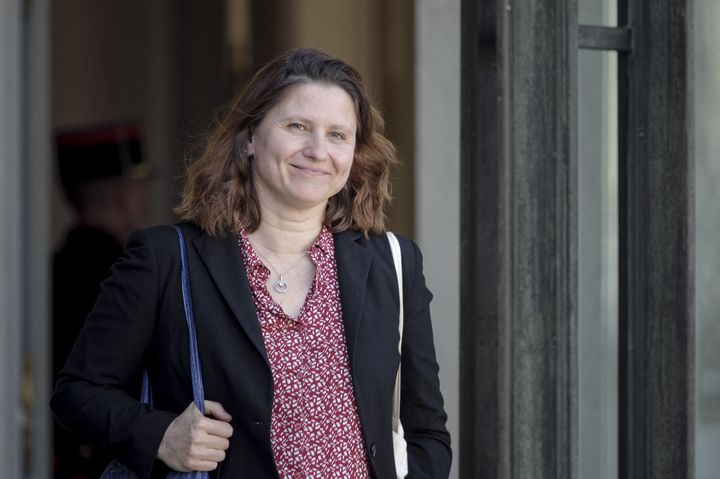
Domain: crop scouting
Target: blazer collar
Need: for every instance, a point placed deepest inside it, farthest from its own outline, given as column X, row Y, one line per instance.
column 223, row 259
column 353, row 260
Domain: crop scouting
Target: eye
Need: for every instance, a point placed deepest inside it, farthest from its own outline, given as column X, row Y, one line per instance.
column 297, row 126
column 338, row 135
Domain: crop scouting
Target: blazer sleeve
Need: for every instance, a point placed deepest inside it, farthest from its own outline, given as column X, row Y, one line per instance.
column 94, row 392
column 421, row 411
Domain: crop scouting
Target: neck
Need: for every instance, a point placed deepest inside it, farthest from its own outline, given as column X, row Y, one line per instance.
column 288, row 233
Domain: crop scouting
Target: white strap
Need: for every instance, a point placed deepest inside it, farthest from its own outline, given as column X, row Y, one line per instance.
column 397, row 259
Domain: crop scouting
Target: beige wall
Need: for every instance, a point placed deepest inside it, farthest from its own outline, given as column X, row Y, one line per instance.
column 98, row 63
column 160, row 62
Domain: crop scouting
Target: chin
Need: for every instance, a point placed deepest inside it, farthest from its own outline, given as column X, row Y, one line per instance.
column 311, row 199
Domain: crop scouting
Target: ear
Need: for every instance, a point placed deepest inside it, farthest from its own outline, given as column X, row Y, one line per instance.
column 250, row 149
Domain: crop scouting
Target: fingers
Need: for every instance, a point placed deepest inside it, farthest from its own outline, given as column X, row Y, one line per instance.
column 200, row 454
column 214, row 442
column 216, row 428
column 215, row 409
column 198, row 465
column 208, row 425
column 194, row 442
column 219, row 427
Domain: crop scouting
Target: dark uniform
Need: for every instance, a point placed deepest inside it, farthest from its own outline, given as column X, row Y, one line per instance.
column 84, row 261
column 78, row 269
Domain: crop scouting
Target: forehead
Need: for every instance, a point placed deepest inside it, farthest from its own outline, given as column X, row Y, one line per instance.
column 317, row 101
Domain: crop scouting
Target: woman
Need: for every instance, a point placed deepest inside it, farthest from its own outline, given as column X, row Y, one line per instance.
column 295, row 301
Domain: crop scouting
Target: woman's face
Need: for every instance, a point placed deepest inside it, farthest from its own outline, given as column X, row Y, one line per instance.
column 304, row 148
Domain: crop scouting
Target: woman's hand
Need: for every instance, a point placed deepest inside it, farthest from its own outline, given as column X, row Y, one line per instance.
column 194, row 442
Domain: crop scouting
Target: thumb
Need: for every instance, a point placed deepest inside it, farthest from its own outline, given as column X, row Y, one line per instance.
column 215, row 409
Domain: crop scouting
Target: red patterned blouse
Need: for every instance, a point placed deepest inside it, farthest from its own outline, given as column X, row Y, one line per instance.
column 315, row 429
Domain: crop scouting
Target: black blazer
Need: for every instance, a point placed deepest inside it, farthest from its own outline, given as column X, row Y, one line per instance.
column 138, row 322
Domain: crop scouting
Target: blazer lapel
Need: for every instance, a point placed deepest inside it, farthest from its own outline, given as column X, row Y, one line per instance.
column 353, row 265
column 223, row 259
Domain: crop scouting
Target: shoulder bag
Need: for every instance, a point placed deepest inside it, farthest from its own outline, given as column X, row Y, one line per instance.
column 398, row 435
column 118, row 470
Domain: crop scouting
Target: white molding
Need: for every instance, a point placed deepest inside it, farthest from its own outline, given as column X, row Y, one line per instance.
column 11, row 199
column 37, row 161
column 437, row 180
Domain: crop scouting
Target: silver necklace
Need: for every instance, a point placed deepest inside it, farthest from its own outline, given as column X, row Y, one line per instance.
column 280, row 285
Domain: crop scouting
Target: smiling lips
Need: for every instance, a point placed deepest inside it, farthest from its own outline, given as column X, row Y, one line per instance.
column 310, row 171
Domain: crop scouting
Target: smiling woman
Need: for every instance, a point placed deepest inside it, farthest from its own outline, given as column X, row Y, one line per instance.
column 303, row 149
column 295, row 298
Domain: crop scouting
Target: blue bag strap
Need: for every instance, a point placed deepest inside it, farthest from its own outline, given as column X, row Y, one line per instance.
column 146, row 393
column 195, row 372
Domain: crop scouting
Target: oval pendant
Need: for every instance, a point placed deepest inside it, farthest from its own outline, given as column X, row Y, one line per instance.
column 280, row 286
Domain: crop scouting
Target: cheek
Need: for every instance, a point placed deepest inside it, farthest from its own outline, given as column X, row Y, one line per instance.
column 346, row 161
column 262, row 161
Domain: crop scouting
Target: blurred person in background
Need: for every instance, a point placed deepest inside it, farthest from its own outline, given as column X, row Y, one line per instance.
column 104, row 176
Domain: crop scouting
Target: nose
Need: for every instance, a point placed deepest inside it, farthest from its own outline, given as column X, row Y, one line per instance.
column 316, row 147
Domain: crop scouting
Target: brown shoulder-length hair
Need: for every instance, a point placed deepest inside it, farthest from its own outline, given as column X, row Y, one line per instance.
column 219, row 194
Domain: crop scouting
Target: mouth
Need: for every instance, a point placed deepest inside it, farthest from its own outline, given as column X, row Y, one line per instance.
column 309, row 171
